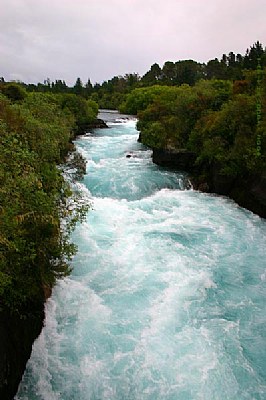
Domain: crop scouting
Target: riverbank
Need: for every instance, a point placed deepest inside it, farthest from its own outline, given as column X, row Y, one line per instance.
column 36, row 220
column 249, row 192
column 96, row 124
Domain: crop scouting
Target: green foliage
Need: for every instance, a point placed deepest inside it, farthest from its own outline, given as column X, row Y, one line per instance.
column 214, row 119
column 13, row 91
column 153, row 76
column 139, row 99
column 38, row 210
column 84, row 111
column 227, row 136
column 78, row 87
column 176, row 108
column 169, row 107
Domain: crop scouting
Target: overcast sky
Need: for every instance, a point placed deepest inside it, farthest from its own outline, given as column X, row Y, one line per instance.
column 98, row 39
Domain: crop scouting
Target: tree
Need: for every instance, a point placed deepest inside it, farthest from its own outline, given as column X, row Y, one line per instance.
column 231, row 59
column 14, row 91
column 88, row 88
column 254, row 55
column 131, row 80
column 83, row 111
column 187, row 71
column 153, row 76
column 216, row 69
column 78, row 87
column 168, row 72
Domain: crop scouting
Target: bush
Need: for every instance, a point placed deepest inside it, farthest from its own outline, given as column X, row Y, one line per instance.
column 13, row 91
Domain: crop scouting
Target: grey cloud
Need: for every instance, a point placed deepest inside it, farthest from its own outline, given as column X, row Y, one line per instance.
column 63, row 39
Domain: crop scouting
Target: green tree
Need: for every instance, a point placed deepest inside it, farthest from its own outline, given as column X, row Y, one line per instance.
column 84, row 112
column 88, row 89
column 187, row 71
column 78, row 87
column 256, row 54
column 216, row 69
column 153, row 76
column 13, row 91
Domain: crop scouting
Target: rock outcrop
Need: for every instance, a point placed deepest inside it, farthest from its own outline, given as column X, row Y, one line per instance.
column 179, row 159
column 249, row 192
column 17, row 334
column 99, row 124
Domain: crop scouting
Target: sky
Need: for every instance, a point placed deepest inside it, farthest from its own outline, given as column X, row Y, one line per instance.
column 100, row 39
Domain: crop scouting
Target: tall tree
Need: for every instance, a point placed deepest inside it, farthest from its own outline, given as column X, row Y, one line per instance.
column 78, row 87
column 153, row 76
column 216, row 69
column 168, row 72
column 254, row 55
column 88, row 88
column 187, row 71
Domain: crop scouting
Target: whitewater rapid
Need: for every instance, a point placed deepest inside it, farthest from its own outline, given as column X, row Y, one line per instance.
column 167, row 298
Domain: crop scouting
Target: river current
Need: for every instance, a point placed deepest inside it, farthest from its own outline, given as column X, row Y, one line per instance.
column 167, row 298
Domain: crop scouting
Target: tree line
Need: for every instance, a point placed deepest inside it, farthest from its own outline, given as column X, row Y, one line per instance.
column 111, row 93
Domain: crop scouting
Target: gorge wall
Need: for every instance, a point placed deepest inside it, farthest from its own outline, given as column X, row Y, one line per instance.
column 17, row 334
column 249, row 192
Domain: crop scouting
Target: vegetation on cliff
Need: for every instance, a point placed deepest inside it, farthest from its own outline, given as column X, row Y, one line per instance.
column 211, row 119
column 222, row 121
column 38, row 209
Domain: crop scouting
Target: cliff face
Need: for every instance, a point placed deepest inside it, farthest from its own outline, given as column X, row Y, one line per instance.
column 17, row 335
column 248, row 192
column 180, row 159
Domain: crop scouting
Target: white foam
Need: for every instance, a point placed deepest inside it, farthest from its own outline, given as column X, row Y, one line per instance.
column 166, row 292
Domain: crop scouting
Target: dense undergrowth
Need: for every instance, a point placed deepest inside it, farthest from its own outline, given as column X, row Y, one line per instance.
column 38, row 210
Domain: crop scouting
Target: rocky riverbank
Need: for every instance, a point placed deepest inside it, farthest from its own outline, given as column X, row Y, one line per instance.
column 17, row 335
column 97, row 124
column 249, row 192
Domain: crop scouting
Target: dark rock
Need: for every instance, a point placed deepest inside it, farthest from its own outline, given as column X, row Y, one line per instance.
column 258, row 188
column 203, row 187
column 219, row 182
column 249, row 192
column 99, row 124
column 17, row 334
column 85, row 128
column 131, row 155
column 180, row 159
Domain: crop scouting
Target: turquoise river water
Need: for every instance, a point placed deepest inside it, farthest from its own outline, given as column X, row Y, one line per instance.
column 167, row 299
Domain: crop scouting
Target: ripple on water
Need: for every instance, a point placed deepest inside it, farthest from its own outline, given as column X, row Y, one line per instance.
column 167, row 296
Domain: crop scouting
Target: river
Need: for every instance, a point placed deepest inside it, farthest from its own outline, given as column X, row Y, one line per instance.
column 167, row 298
